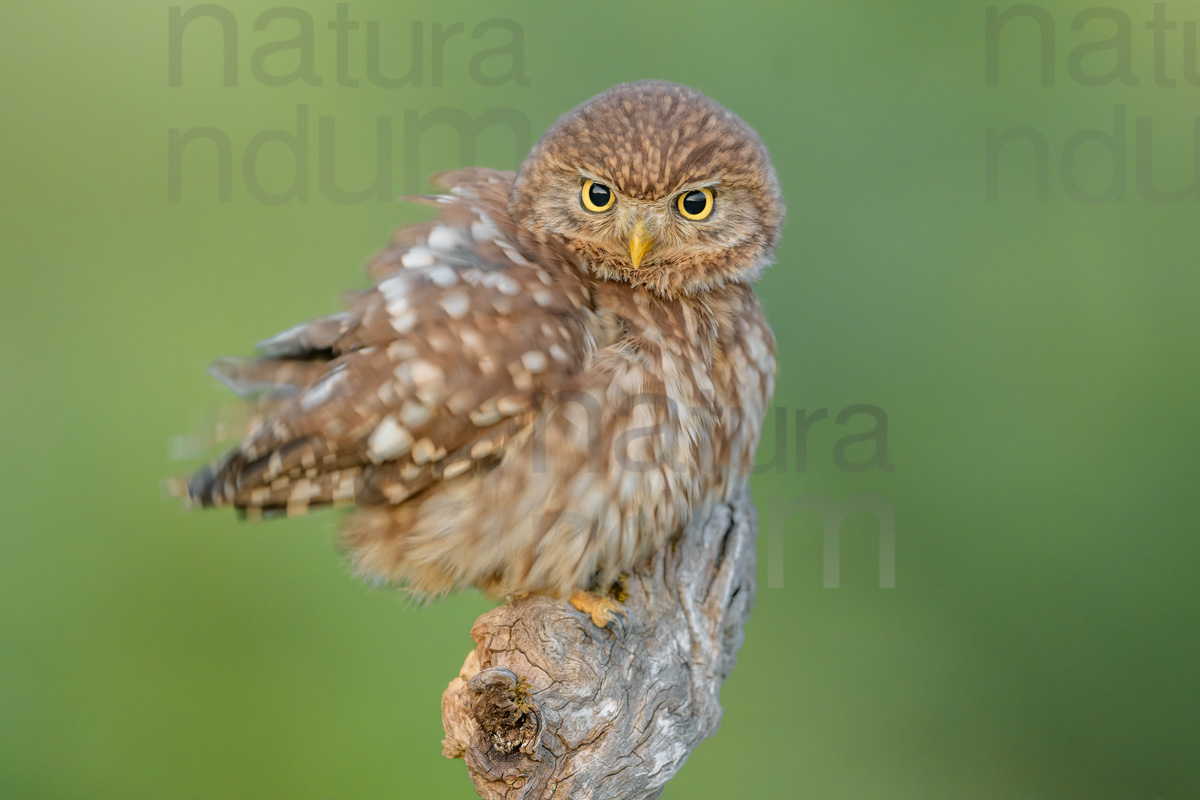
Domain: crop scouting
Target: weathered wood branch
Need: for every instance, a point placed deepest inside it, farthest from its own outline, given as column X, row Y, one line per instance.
column 548, row 705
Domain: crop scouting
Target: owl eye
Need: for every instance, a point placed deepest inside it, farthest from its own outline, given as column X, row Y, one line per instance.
column 596, row 196
column 696, row 204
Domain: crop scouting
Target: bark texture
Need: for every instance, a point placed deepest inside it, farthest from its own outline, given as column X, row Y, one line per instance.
column 550, row 706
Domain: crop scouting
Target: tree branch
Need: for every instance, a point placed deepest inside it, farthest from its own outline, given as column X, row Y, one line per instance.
column 549, row 705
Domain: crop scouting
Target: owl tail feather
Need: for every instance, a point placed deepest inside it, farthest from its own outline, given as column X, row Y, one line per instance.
column 273, row 377
column 238, row 482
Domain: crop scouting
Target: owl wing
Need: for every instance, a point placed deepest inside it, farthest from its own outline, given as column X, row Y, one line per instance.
column 470, row 328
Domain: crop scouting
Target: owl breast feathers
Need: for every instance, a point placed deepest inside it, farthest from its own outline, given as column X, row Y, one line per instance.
column 548, row 379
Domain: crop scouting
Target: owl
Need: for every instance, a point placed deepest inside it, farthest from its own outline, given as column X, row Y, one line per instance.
column 546, row 381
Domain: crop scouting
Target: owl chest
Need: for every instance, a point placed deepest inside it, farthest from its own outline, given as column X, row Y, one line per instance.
column 654, row 370
column 664, row 351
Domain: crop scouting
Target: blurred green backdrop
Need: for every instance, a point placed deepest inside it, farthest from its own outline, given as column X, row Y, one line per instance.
column 1036, row 359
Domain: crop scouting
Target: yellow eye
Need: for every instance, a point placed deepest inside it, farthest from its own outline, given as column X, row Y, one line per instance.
column 696, row 204
column 596, row 196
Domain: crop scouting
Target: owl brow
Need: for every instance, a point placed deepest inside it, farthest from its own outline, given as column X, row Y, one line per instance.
column 587, row 175
column 709, row 184
column 694, row 186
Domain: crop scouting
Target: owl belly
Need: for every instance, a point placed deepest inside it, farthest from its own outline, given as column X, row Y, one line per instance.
column 608, row 472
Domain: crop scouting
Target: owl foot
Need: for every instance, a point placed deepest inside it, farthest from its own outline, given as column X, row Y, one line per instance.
column 605, row 610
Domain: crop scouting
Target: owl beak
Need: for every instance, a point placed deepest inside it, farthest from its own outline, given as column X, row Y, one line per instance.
column 639, row 242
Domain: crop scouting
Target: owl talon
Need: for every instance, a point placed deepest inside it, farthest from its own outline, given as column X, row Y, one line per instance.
column 606, row 612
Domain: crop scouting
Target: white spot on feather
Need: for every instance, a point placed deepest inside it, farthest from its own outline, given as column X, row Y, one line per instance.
column 506, row 285
column 322, row 390
column 483, row 448
column 455, row 469
column 534, row 361
column 443, row 237
column 485, row 415
column 395, row 294
column 403, row 323
column 423, row 451
column 512, row 404
column 418, row 257
column 388, row 441
column 422, row 372
column 443, row 276
column 483, row 231
column 414, row 414
column 456, row 304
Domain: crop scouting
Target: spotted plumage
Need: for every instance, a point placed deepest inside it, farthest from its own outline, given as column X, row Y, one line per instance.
column 537, row 391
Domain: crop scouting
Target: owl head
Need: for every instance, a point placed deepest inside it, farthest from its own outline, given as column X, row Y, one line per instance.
column 656, row 185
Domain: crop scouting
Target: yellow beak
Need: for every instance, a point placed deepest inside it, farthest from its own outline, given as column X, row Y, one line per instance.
column 639, row 242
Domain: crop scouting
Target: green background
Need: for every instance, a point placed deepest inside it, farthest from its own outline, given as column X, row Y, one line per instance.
column 1037, row 362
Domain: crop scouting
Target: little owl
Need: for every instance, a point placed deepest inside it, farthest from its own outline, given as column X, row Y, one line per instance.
column 547, row 380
